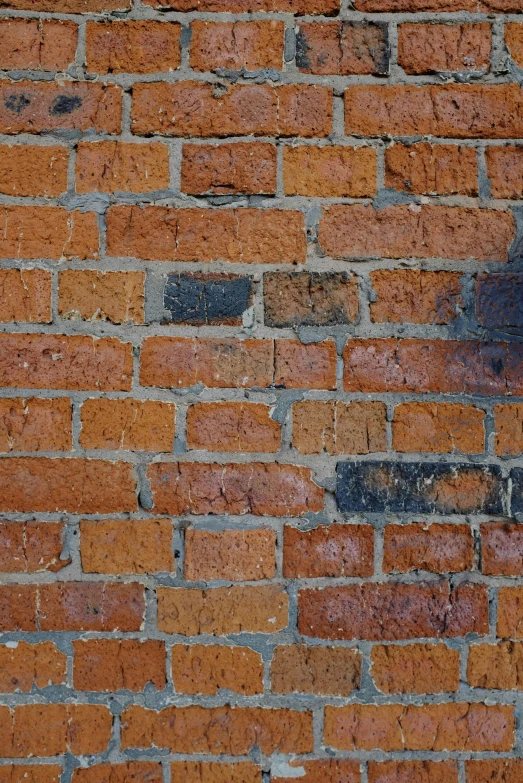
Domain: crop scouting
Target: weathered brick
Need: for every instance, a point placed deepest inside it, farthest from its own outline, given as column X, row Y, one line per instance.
column 39, row 107
column 415, row 668
column 443, row 366
column 329, row 171
column 319, row 771
column 499, row 300
column 132, row 46
column 25, row 296
column 391, row 727
column 232, row 426
column 47, row 232
column 53, row 361
column 413, row 772
column 257, row 488
column 90, row 606
column 415, row 296
column 112, row 166
column 494, row 770
column 77, row 486
column 199, row 669
column 116, row 297
column 229, row 168
column 236, row 46
column 18, row 608
column 456, row 111
column 200, row 109
column 344, row 48
column 510, row 612
column 438, row 427
column 429, row 48
column 137, row 425
column 502, row 549
column 309, row 298
column 516, row 479
column 68, row 6
column 305, row 366
column 432, row 169
column 514, row 41
column 249, row 236
column 129, row 772
column 223, row 610
column 333, row 550
column 118, row 664
column 27, row 547
column 322, row 670
column 505, row 171
column 34, row 424
column 220, row 730
column 411, row 611
column 437, row 548
column 136, row 546
column 33, row 171
column 235, row 555
column 397, row 6
column 24, row 665
column 30, row 773
column 496, row 666
column 215, row 772
column 420, row 487
column 339, row 427
column 212, row 298
column 298, row 7
column 37, row 44
column 415, row 231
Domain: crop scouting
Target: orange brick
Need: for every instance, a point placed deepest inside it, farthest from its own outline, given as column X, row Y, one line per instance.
column 411, row 771
column 232, row 426
column 118, row 664
column 91, row 606
column 116, row 297
column 438, row 548
column 236, row 46
column 33, row 171
column 47, row 232
column 112, row 166
column 136, row 546
column 329, row 171
column 132, row 46
column 416, row 668
column 438, row 427
column 23, row 665
column 344, row 48
column 432, row 169
column 429, row 48
column 514, row 41
column 415, row 296
column 37, row 44
column 322, row 670
column 25, row 296
column 18, row 609
column 339, row 427
column 510, row 612
column 229, row 168
column 497, row 770
column 30, row 773
column 69, row 6
column 235, row 555
column 199, row 669
column 496, row 666
column 505, row 171
column 31, row 546
column 35, row 424
column 238, row 6
column 129, row 772
column 299, row 366
column 215, row 772
column 334, row 550
column 320, row 771
column 136, row 425
column 508, row 421
column 223, row 610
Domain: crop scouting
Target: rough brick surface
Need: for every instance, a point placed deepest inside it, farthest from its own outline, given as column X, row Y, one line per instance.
column 33, row 171
column 432, row 169
column 438, row 548
column 35, row 424
column 37, row 44
column 127, row 424
column 116, row 297
column 206, row 669
column 120, row 547
column 238, row 556
column 133, row 47
column 337, row 550
column 322, row 670
column 415, row 668
column 31, row 546
column 415, row 296
column 232, row 426
column 426, row 48
column 114, row 664
column 343, row 48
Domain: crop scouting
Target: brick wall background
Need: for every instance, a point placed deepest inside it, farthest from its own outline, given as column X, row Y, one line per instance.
column 261, row 406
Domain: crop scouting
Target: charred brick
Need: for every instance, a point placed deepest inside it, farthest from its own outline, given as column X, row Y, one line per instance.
column 310, row 298
column 207, row 299
column 500, row 300
column 65, row 104
column 17, row 103
column 516, row 476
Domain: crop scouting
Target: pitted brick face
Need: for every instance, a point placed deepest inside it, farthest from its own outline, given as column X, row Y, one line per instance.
column 261, row 391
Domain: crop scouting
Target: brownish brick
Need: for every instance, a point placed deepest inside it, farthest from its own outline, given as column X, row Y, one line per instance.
column 510, row 612
column 505, row 171
column 438, row 548
column 35, row 424
column 47, row 232
column 415, row 668
column 339, row 427
column 238, row 7
column 329, row 171
column 30, row 773
column 116, row 297
column 137, row 425
column 502, row 549
column 132, row 46
column 25, row 296
column 27, row 547
column 508, row 422
column 343, row 48
column 118, row 664
column 235, row 555
column 514, row 41
column 199, row 669
column 112, row 166
column 309, row 298
column 37, row 44
column 236, row 46
column 136, row 546
column 91, row 606
column 129, row 772
column 334, row 550
column 322, row 670
column 429, row 48
column 413, row 772
column 496, row 666
column 229, row 168
column 432, row 169
column 32, row 171
column 24, row 665
column 305, row 366
column 415, row 296
column 494, row 770
column 18, row 608
column 215, row 772
column 438, row 427
column 232, row 426
column 320, row 771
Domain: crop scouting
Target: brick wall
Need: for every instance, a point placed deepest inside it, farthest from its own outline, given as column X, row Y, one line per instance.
column 261, row 404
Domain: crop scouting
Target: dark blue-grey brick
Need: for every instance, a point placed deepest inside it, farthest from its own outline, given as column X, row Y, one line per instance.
column 419, row 487
column 516, row 476
column 499, row 300
column 207, row 299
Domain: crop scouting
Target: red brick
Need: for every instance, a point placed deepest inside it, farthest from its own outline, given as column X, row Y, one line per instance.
column 90, row 606
column 249, row 236
column 35, row 424
column 309, row 298
column 419, row 546
column 206, row 669
column 510, row 612
column 200, row 109
column 220, row 730
column 329, row 171
column 391, row 727
column 236, row 46
column 37, row 44
column 25, row 296
column 136, row 425
column 494, row 770
column 319, row 771
column 505, row 171
column 270, row 489
column 215, row 772
column 429, row 48
column 300, row 366
column 69, row 6
column 411, row 611
column 24, row 665
column 129, row 772
column 112, row 166
column 444, row 428
column 298, row 7
column 415, row 296
column 229, row 168
column 496, row 666
column 514, row 41
column 322, row 670
column 233, row 555
column 223, row 610
column 508, row 422
column 397, row 6
column 415, row 668
column 432, row 169
column 47, row 232
column 232, row 426
column 343, row 48
column 33, row 171
column 118, row 664
column 334, row 550
column 135, row 546
column 30, row 773
column 75, row 362
column 502, row 549
column 413, row 772
column 77, row 486
column 414, row 231
column 132, row 46
column 18, row 608
column 339, row 427
column 493, row 111
column 26, row 547
column 40, row 107
column 445, row 366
